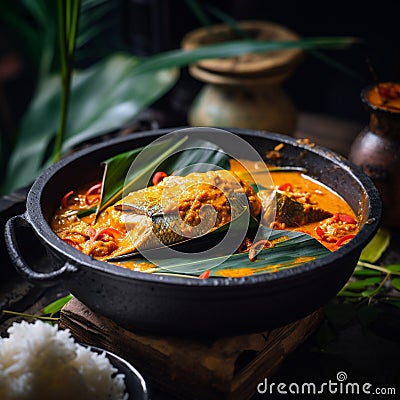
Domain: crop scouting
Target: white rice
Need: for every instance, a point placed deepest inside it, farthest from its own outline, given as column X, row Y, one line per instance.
column 40, row 362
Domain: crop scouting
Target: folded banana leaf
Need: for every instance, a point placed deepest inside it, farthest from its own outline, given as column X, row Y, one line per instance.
column 291, row 249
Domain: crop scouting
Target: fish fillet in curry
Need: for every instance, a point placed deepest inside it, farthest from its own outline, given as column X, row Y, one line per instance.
column 169, row 212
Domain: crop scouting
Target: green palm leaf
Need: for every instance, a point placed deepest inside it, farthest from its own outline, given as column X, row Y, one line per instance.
column 118, row 176
column 179, row 58
column 117, row 171
column 377, row 246
column 103, row 98
column 297, row 249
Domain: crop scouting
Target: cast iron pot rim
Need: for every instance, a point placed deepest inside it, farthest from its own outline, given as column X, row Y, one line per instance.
column 79, row 259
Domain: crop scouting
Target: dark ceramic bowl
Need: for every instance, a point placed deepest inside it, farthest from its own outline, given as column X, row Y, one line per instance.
column 134, row 382
column 184, row 306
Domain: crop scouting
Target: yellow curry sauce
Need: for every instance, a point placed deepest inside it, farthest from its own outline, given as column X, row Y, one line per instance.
column 109, row 232
column 325, row 198
column 316, row 193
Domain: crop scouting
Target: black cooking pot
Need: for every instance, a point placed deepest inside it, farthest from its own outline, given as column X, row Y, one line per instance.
column 177, row 305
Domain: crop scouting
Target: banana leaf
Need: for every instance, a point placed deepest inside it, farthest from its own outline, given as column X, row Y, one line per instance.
column 169, row 155
column 292, row 249
column 179, row 58
column 201, row 243
column 118, row 170
column 373, row 251
column 103, row 98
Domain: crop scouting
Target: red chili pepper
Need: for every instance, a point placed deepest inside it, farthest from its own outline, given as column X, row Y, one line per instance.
column 344, row 239
column 95, row 189
column 64, row 200
column 73, row 244
column 286, row 187
column 330, row 239
column 347, row 219
column 158, row 177
column 334, row 218
column 91, row 232
column 108, row 231
column 319, row 231
column 205, row 274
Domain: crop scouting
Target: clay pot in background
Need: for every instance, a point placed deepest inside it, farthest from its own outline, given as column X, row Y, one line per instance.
column 377, row 148
column 244, row 91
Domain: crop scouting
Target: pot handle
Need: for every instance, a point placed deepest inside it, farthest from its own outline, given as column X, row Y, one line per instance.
column 41, row 278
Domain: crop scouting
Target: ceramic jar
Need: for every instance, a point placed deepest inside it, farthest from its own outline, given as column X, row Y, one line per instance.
column 377, row 148
column 244, row 91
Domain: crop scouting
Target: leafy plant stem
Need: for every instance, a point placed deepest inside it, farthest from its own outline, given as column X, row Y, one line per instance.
column 200, row 14
column 377, row 268
column 68, row 16
column 380, row 286
column 218, row 13
column 377, row 293
column 18, row 314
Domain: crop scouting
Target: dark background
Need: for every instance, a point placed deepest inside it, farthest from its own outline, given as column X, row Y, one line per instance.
column 149, row 26
column 152, row 26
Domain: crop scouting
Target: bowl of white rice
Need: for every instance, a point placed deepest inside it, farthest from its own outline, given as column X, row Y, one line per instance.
column 38, row 361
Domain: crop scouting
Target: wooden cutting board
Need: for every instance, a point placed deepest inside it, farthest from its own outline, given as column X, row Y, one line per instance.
column 222, row 368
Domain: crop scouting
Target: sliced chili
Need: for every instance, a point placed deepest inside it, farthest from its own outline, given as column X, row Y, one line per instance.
column 158, row 177
column 205, row 274
column 344, row 239
column 64, row 200
column 335, row 218
column 330, row 239
column 91, row 232
column 286, row 187
column 115, row 233
column 320, row 232
column 347, row 219
column 95, row 189
column 73, row 244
